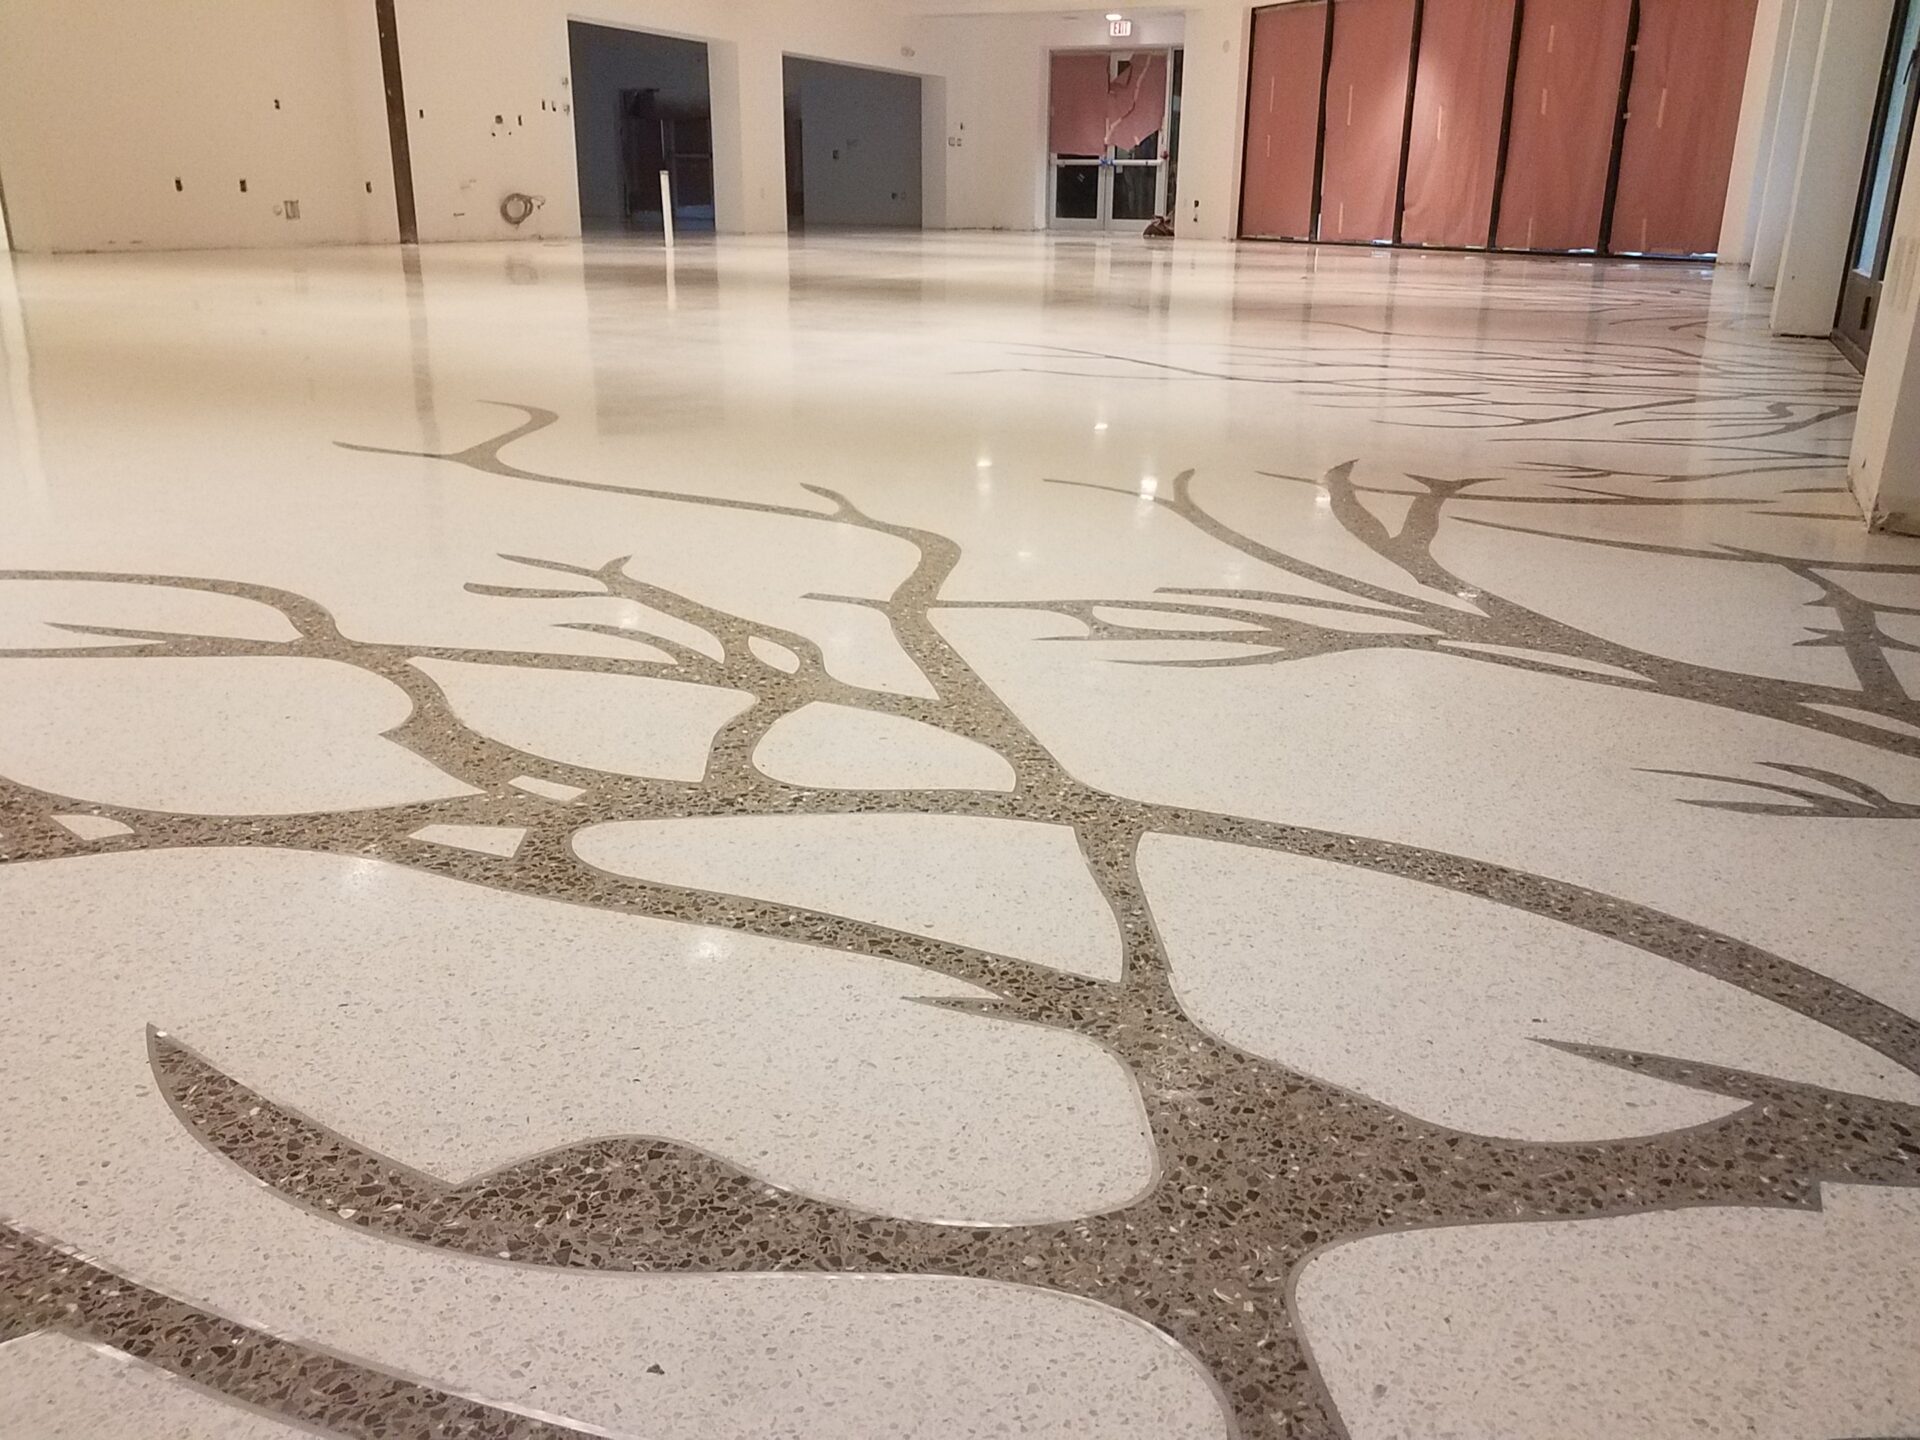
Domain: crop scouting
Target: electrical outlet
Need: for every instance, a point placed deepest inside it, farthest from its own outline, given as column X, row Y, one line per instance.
column 290, row 208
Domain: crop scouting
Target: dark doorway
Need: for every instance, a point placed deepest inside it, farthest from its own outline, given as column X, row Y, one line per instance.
column 641, row 104
column 853, row 146
column 1872, row 244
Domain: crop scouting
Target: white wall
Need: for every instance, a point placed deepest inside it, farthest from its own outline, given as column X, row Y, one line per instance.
column 469, row 60
column 1885, row 465
column 1800, row 38
column 104, row 102
column 1833, row 152
column 1753, row 142
column 860, row 136
column 1213, row 122
column 103, row 105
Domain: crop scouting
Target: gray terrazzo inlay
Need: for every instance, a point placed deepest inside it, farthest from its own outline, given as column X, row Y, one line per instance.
column 1260, row 1172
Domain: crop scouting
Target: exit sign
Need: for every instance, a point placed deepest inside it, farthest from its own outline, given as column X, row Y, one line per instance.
column 1119, row 29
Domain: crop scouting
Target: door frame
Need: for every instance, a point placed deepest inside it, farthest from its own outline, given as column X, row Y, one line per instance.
column 1102, row 221
column 1860, row 291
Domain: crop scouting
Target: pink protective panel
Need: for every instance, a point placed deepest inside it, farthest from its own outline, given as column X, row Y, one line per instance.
column 1566, row 101
column 1366, row 118
column 1459, row 95
column 1283, row 121
column 1689, row 68
column 1077, row 105
column 1137, row 100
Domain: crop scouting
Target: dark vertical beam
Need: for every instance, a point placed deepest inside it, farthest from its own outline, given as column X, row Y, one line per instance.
column 397, row 122
column 1246, row 125
column 1406, row 125
column 1506, row 124
column 1605, row 243
column 1320, row 135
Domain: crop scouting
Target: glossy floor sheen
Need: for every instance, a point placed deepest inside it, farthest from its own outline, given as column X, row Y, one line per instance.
column 1187, row 842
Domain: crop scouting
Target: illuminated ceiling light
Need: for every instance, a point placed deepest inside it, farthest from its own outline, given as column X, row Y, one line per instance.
column 1115, row 15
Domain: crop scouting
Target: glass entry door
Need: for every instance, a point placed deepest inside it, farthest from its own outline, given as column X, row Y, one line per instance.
column 1880, row 195
column 1110, row 116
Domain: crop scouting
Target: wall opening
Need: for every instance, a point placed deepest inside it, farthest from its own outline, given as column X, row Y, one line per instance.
column 1113, row 120
column 854, row 150
column 641, row 104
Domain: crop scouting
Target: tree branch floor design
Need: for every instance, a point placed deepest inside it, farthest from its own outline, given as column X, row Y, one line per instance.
column 270, row 873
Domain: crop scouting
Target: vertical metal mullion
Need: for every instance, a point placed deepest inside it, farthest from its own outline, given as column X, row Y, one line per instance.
column 1164, row 163
column 1320, row 134
column 1105, row 175
column 1406, row 124
column 1506, row 125
column 1605, row 245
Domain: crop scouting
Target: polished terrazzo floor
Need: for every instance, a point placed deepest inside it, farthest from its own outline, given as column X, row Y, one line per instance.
column 951, row 836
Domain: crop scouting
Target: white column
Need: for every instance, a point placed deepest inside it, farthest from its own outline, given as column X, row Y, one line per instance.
column 748, row 89
column 1213, row 107
column 1783, row 161
column 1763, row 155
column 933, row 152
column 1755, row 135
column 1833, row 151
column 1885, row 470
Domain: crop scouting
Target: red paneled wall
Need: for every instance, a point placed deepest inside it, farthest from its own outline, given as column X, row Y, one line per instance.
column 1283, row 121
column 1689, row 68
column 1566, row 102
column 1459, row 99
column 1366, row 118
column 1548, row 72
column 1077, row 105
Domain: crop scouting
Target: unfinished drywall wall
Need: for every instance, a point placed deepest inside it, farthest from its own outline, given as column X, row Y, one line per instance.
column 190, row 123
column 860, row 141
column 103, row 106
